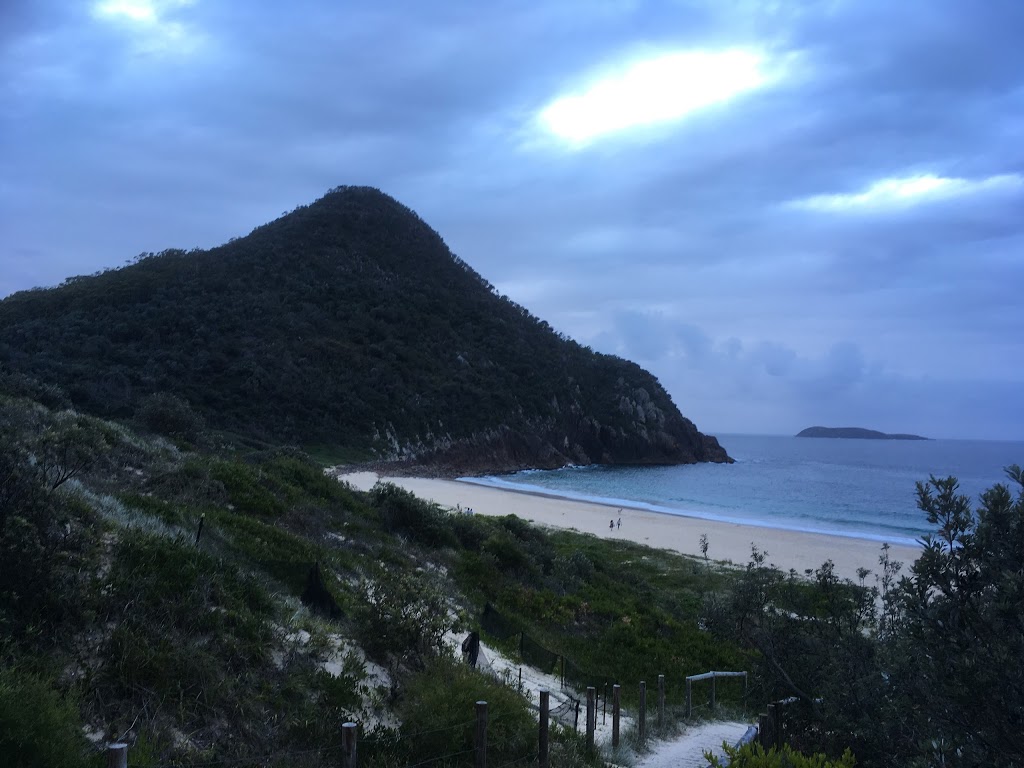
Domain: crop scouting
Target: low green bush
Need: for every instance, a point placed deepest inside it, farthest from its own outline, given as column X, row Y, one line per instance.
column 170, row 415
column 405, row 514
column 186, row 628
column 39, row 727
column 249, row 490
column 753, row 755
column 440, row 706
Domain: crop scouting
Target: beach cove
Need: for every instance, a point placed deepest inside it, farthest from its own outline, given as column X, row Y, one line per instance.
column 727, row 542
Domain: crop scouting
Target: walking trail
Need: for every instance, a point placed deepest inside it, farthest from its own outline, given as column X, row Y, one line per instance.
column 688, row 750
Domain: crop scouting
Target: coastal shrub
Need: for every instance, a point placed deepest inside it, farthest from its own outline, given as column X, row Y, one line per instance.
column 22, row 386
column 408, row 515
column 316, row 702
column 470, row 530
column 47, row 542
column 171, row 416
column 186, row 628
column 189, row 481
column 402, row 619
column 440, row 704
column 249, row 490
column 753, row 755
column 281, row 554
column 39, row 728
column 303, row 478
column 511, row 557
column 956, row 648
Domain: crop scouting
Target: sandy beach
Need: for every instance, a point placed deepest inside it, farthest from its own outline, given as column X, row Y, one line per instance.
column 726, row 541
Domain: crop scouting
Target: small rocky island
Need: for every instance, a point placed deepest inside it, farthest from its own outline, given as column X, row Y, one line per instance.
column 857, row 433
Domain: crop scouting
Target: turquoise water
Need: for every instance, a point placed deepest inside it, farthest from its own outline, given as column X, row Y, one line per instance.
column 859, row 488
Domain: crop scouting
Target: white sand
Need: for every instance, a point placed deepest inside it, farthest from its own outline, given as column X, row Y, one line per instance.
column 688, row 750
column 726, row 541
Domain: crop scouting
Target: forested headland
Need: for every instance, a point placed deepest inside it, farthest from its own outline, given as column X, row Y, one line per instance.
column 348, row 326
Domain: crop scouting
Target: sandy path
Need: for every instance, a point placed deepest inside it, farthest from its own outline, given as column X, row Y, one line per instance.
column 726, row 541
column 688, row 750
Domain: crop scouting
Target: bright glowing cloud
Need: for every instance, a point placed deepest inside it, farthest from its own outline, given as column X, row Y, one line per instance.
column 656, row 90
column 147, row 19
column 910, row 190
column 135, row 10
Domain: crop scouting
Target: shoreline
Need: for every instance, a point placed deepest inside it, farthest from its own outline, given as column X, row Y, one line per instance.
column 728, row 542
column 636, row 506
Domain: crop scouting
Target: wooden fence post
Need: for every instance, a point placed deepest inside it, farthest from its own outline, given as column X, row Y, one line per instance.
column 661, row 702
column 591, row 717
column 689, row 698
column 773, row 725
column 481, row 735
column 542, row 739
column 117, row 755
column 604, row 705
column 615, row 715
column 762, row 731
column 642, row 719
column 713, row 697
column 348, row 744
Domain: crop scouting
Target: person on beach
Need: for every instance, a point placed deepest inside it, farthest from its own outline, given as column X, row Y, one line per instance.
column 620, row 522
column 611, row 525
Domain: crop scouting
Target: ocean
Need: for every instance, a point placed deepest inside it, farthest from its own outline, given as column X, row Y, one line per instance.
column 858, row 488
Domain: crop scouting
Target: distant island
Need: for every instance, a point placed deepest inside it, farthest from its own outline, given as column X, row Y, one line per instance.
column 856, row 433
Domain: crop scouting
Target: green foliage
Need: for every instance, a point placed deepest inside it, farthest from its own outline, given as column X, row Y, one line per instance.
column 440, row 705
column 348, row 325
column 250, row 490
column 46, row 536
column 170, row 415
column 314, row 702
column 960, row 638
column 618, row 612
column 404, row 513
column 402, row 619
column 39, row 728
column 754, row 756
column 21, row 386
column 924, row 670
column 185, row 626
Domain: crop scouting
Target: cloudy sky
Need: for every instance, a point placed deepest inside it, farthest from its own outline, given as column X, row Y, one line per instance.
column 793, row 213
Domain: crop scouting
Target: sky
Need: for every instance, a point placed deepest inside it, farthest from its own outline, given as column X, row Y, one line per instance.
column 792, row 213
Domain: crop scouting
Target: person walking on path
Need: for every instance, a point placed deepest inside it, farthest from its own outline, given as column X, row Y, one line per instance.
column 611, row 525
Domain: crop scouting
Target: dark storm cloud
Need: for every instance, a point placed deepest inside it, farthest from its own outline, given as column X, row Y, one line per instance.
column 694, row 247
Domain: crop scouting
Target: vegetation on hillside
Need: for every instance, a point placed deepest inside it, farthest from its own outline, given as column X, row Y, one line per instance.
column 349, row 325
column 154, row 592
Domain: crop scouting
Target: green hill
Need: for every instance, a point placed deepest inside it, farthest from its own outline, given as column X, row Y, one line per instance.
column 346, row 324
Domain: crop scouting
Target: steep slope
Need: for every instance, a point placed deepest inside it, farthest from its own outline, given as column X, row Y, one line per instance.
column 347, row 322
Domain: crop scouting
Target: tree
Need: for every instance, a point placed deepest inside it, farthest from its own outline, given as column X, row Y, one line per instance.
column 402, row 620
column 925, row 671
column 961, row 636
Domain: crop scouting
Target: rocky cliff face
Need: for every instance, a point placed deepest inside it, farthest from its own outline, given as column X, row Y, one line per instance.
column 666, row 439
